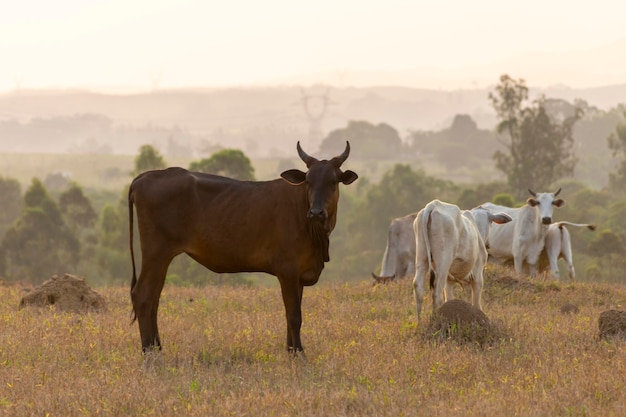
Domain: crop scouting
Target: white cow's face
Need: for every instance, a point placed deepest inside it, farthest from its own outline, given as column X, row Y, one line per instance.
column 545, row 203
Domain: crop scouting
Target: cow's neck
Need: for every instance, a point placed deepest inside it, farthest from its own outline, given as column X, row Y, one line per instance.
column 533, row 217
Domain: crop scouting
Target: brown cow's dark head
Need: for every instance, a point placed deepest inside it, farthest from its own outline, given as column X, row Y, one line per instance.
column 321, row 181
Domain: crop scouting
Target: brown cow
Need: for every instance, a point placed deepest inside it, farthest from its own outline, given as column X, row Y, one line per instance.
column 280, row 227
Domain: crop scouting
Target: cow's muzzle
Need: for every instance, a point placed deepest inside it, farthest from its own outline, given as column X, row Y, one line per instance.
column 316, row 214
column 546, row 220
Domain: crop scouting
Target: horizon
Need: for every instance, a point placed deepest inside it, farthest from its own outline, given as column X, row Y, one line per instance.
column 119, row 47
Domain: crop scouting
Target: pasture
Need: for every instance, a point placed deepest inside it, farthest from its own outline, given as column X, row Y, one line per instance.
column 224, row 354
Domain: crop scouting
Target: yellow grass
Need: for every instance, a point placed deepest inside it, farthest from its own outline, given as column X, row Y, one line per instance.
column 366, row 355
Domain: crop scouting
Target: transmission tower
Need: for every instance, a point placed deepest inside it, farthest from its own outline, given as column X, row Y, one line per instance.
column 315, row 107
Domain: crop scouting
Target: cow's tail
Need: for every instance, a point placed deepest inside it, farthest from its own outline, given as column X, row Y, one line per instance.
column 388, row 266
column 133, row 281
column 423, row 226
column 565, row 223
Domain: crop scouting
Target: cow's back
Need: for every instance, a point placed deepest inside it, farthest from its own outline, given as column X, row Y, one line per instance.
column 225, row 224
column 500, row 239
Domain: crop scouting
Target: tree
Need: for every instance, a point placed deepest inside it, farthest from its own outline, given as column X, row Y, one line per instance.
column 540, row 146
column 11, row 197
column 39, row 244
column 113, row 251
column 76, row 208
column 227, row 162
column 617, row 144
column 149, row 158
column 80, row 217
column 368, row 141
column 607, row 245
column 474, row 196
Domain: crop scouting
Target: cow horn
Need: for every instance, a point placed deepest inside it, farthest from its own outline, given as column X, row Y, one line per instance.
column 342, row 158
column 557, row 192
column 534, row 194
column 308, row 160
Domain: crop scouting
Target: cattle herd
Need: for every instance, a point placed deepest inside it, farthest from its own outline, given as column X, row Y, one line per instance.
column 282, row 227
column 451, row 245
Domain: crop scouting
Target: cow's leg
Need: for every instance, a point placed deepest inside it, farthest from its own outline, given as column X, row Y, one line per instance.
column 422, row 272
column 533, row 267
column 291, row 291
column 410, row 268
column 518, row 263
column 449, row 289
column 554, row 266
column 439, row 298
column 477, row 286
column 566, row 252
column 571, row 271
column 443, row 260
column 145, row 296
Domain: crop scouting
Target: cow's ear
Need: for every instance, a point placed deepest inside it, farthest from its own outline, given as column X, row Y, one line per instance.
column 294, row 176
column 348, row 177
column 532, row 202
column 500, row 218
column 558, row 202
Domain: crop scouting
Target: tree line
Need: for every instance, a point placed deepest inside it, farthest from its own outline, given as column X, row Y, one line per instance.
column 44, row 233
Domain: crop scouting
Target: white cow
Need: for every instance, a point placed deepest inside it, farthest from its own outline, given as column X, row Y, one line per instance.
column 399, row 256
column 558, row 245
column 449, row 249
column 523, row 239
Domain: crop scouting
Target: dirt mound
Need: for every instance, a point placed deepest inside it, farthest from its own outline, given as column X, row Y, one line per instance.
column 460, row 321
column 461, row 312
column 569, row 308
column 612, row 323
column 68, row 293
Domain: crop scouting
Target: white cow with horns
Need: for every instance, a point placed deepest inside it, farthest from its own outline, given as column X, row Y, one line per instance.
column 450, row 248
column 523, row 239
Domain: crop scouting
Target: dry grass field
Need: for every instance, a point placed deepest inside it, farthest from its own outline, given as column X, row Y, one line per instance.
column 366, row 355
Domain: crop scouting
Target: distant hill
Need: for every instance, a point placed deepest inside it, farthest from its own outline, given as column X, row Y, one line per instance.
column 277, row 116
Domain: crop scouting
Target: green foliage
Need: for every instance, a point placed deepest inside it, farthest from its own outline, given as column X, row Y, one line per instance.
column 463, row 144
column 80, row 217
column 111, row 227
column 11, row 197
column 617, row 144
column 148, row 159
column 365, row 209
column 368, row 141
column 474, row 196
column 594, row 165
column 362, row 229
column 113, row 253
column 607, row 245
column 228, row 163
column 402, row 191
column 39, row 244
column 56, row 181
column 539, row 146
column 503, row 199
column 76, row 208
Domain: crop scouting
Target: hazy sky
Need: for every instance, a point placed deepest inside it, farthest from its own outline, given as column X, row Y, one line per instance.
column 139, row 44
